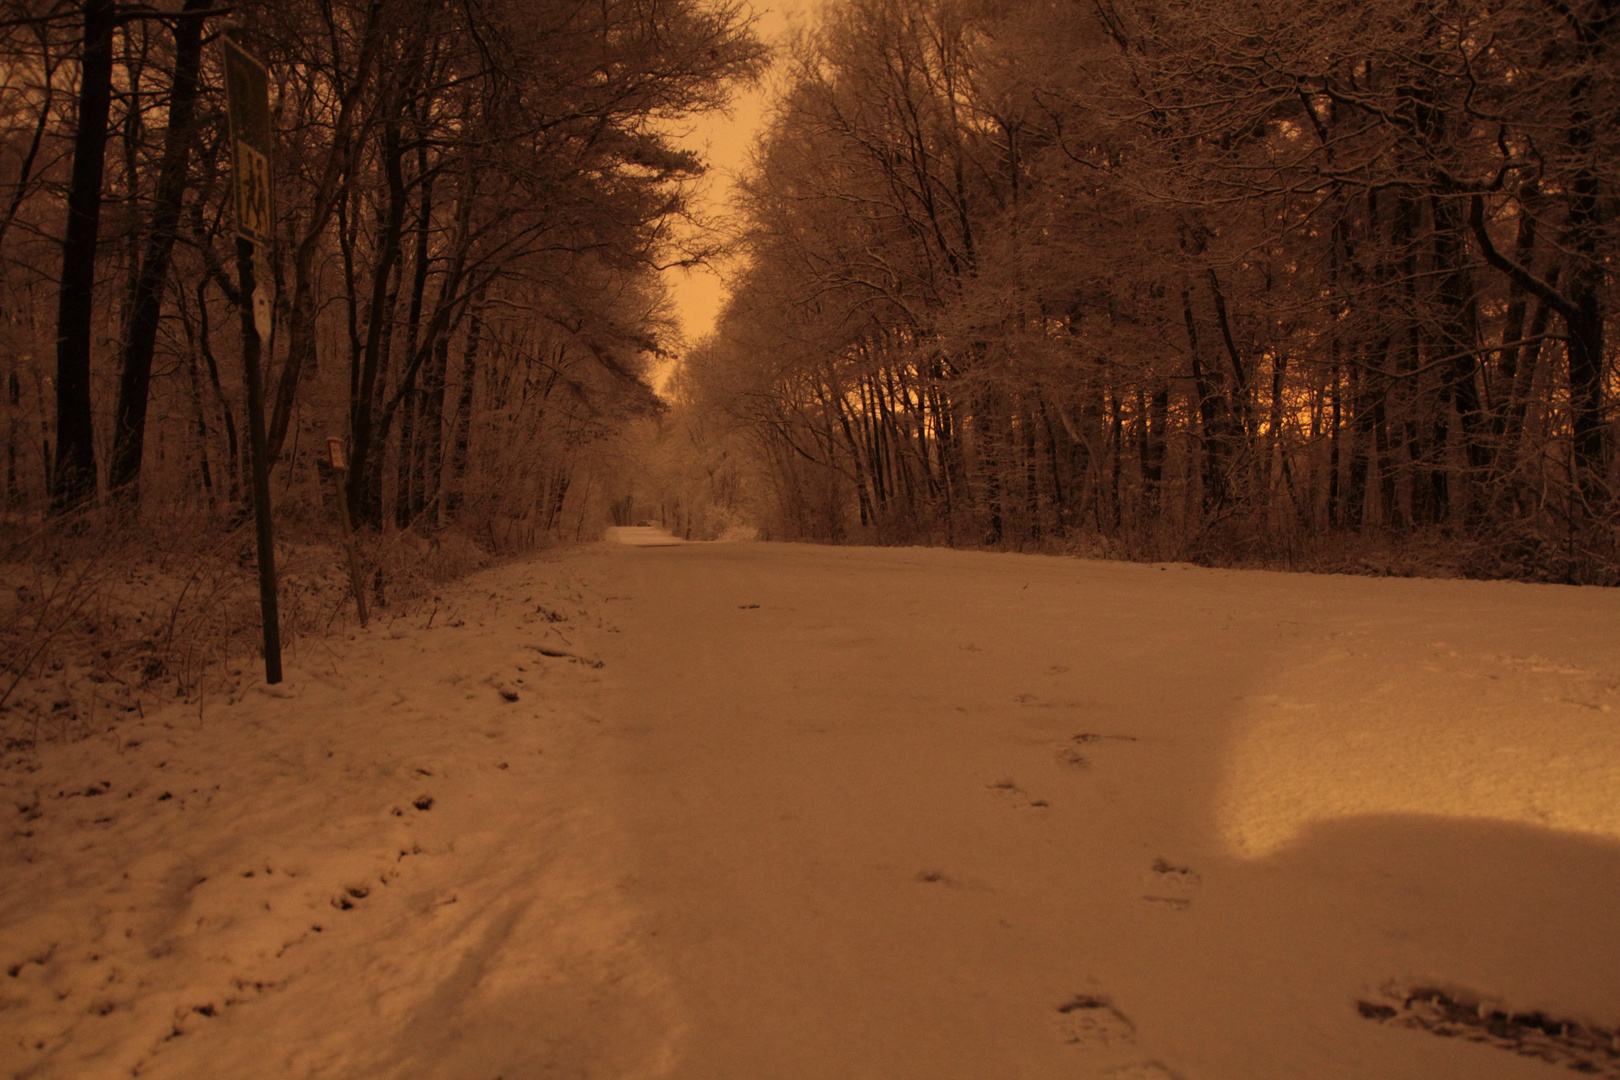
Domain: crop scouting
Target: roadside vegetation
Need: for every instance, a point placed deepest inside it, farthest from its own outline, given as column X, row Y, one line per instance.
column 1273, row 284
column 473, row 205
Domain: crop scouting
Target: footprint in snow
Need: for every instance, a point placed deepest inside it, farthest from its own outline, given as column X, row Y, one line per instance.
column 1007, row 789
column 1141, row 1070
column 344, row 901
column 1581, row 1047
column 1075, row 750
column 1091, row 1022
column 1169, row 885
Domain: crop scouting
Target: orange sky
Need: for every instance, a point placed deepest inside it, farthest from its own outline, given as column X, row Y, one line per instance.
column 726, row 140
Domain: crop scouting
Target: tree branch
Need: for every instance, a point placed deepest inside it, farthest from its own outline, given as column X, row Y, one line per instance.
column 1518, row 274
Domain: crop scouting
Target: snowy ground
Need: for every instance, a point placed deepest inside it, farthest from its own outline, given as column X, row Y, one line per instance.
column 828, row 813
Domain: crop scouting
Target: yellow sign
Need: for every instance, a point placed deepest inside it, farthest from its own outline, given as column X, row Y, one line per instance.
column 253, row 218
column 247, row 98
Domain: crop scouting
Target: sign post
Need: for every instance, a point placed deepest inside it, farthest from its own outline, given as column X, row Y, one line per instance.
column 247, row 93
column 334, row 454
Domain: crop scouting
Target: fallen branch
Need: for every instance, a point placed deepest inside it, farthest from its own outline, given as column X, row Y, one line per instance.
column 559, row 654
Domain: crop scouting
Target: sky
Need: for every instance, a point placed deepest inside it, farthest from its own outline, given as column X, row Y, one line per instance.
column 725, row 141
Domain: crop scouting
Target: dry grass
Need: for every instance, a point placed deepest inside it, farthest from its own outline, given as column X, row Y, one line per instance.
column 100, row 617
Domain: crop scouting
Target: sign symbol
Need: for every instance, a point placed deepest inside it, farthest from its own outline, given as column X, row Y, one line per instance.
column 252, row 194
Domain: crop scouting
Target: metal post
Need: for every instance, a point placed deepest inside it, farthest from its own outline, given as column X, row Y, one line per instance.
column 247, row 99
column 260, row 467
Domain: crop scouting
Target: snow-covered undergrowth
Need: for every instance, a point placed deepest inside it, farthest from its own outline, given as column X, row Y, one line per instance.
column 99, row 619
column 349, row 855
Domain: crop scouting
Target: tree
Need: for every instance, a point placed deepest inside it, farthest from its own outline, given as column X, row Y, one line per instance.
column 461, row 190
column 1199, row 281
column 140, row 334
column 73, row 478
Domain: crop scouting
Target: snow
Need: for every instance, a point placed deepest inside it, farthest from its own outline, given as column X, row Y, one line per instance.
column 847, row 812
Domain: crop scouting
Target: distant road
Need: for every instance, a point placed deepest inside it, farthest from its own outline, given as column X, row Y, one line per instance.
column 643, row 536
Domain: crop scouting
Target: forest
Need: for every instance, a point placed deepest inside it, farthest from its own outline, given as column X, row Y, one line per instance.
column 474, row 201
column 1238, row 282
column 1037, row 307
column 1231, row 282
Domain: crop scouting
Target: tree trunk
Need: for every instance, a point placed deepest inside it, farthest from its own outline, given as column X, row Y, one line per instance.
column 337, row 174
column 430, row 435
column 408, row 481
column 1526, row 362
column 233, row 453
column 1153, row 416
column 73, row 479
column 1211, row 419
column 463, row 424
column 1460, row 337
column 199, row 422
column 25, row 171
column 140, row 335
column 362, row 409
column 1588, row 219
column 1335, row 438
column 13, row 416
column 1586, row 394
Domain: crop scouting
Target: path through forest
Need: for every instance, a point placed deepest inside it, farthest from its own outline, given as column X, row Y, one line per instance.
column 895, row 811
column 852, row 812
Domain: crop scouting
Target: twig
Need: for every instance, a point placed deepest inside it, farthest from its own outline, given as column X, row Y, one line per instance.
column 561, row 655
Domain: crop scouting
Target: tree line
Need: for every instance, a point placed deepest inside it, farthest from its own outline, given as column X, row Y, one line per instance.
column 1184, row 279
column 474, row 200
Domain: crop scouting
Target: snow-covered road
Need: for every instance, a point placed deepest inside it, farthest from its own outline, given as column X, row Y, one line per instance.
column 893, row 810
column 855, row 813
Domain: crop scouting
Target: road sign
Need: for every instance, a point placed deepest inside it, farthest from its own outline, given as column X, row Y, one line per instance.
column 263, row 287
column 247, row 99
